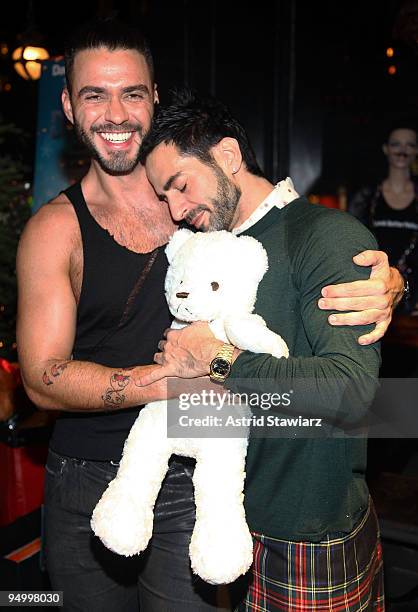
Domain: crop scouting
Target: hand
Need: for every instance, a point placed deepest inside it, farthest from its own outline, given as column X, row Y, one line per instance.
column 373, row 300
column 186, row 353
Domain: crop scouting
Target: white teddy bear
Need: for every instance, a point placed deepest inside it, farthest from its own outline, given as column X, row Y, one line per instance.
column 212, row 277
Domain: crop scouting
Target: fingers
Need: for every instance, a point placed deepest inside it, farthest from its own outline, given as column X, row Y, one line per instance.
column 158, row 358
column 380, row 302
column 358, row 288
column 151, row 377
column 364, row 317
column 371, row 258
column 375, row 335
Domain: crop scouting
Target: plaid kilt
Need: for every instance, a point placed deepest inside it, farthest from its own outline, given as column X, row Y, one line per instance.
column 342, row 574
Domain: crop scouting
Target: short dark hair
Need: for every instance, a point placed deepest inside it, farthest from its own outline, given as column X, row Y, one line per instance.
column 194, row 125
column 110, row 33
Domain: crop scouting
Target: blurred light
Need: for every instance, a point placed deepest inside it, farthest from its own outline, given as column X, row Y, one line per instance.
column 7, row 87
column 14, row 345
column 390, row 52
column 27, row 185
column 392, row 69
column 4, row 49
column 27, row 61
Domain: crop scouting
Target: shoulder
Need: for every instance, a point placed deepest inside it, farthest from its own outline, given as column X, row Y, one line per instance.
column 330, row 226
column 52, row 229
column 361, row 201
column 57, row 215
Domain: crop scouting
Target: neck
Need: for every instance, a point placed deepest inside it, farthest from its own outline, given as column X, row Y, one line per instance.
column 254, row 189
column 398, row 178
column 119, row 190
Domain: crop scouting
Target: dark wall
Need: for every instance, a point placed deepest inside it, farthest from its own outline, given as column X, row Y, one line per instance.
column 238, row 53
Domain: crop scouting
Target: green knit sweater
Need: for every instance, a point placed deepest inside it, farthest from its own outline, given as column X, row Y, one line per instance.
column 308, row 482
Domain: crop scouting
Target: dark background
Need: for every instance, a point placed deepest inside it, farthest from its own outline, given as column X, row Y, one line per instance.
column 309, row 80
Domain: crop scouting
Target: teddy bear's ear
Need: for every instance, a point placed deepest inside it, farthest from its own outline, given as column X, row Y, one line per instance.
column 254, row 257
column 177, row 240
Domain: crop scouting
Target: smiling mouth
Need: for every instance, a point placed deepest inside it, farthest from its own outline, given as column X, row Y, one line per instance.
column 116, row 137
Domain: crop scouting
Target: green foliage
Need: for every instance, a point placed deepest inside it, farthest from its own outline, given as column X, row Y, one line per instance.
column 14, row 212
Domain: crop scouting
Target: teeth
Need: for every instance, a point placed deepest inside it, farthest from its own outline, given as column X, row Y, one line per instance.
column 116, row 136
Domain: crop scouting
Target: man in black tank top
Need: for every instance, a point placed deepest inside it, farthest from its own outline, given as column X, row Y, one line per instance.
column 91, row 269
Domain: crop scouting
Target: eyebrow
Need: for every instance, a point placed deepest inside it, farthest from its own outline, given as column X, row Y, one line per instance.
column 90, row 89
column 170, row 181
column 99, row 90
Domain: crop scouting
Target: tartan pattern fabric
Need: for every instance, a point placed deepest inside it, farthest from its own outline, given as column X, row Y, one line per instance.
column 338, row 575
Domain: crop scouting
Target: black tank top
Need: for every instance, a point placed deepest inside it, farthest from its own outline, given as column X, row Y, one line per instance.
column 394, row 229
column 116, row 327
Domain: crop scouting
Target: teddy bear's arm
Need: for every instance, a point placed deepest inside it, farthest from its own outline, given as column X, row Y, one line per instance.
column 250, row 333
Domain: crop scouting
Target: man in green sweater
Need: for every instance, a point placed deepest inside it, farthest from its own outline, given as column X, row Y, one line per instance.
column 315, row 532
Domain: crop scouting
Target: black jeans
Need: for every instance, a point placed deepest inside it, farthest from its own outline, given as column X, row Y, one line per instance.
column 92, row 577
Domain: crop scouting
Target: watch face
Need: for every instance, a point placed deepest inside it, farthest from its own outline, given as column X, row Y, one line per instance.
column 220, row 366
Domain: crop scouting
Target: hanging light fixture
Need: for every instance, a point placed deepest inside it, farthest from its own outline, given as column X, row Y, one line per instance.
column 28, row 60
column 30, row 53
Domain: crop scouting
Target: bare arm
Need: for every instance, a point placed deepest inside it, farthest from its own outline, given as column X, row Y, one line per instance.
column 46, row 327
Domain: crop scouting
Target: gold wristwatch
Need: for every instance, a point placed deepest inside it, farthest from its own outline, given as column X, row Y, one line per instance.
column 220, row 366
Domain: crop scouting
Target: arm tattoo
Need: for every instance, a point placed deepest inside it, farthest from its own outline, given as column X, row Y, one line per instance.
column 55, row 371
column 113, row 396
column 45, row 379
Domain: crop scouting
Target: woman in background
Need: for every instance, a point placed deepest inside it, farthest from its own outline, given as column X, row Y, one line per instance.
column 390, row 210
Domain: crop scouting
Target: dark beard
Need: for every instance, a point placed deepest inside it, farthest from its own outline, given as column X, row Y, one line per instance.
column 117, row 163
column 224, row 204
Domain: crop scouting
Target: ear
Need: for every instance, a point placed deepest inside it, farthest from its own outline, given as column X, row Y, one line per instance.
column 227, row 153
column 156, row 96
column 66, row 105
column 254, row 257
column 177, row 240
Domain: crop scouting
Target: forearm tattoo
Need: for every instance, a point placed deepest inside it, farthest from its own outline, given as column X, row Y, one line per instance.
column 113, row 396
column 54, row 371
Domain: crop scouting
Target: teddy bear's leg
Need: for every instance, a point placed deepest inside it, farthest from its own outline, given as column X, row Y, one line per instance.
column 221, row 548
column 123, row 518
column 249, row 332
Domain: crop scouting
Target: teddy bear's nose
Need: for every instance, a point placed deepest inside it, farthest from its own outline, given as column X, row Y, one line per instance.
column 182, row 294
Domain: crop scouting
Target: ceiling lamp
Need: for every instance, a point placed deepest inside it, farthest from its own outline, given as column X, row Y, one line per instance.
column 30, row 53
column 28, row 61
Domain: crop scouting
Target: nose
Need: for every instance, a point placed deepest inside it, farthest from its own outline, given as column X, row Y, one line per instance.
column 116, row 111
column 182, row 294
column 178, row 207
